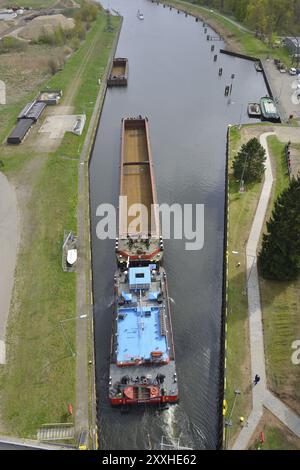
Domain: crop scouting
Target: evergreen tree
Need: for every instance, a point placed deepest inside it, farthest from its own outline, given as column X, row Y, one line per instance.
column 279, row 258
column 248, row 164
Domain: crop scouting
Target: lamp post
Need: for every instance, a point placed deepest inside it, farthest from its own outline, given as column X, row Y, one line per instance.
column 228, row 422
column 61, row 322
column 242, row 187
column 241, row 115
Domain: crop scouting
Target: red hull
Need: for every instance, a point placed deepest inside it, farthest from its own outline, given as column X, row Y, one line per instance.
column 161, row 399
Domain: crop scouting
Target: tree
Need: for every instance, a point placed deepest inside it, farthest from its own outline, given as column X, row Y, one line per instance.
column 279, row 258
column 248, row 164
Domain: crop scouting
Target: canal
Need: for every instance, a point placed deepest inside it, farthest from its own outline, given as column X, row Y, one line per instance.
column 173, row 80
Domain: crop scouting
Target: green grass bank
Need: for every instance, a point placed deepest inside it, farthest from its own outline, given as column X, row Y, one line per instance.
column 38, row 381
column 280, row 306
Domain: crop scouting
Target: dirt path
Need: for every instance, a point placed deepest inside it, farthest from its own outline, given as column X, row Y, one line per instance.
column 68, row 100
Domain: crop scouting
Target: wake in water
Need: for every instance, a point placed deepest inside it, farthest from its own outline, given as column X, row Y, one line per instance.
column 176, row 429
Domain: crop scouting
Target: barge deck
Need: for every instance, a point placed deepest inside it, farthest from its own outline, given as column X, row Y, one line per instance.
column 119, row 72
column 139, row 240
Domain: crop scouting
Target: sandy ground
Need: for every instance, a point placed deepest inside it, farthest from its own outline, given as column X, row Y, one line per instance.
column 9, row 238
column 45, row 25
column 57, row 125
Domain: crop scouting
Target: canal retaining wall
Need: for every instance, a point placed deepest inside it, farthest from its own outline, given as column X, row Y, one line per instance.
column 223, row 379
column 270, row 89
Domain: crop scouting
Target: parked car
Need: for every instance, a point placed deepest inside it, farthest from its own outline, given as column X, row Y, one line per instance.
column 292, row 71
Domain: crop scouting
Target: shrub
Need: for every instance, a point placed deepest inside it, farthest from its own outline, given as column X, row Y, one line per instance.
column 11, row 44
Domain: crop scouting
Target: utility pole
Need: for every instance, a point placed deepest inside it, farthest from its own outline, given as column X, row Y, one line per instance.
column 61, row 323
column 228, row 422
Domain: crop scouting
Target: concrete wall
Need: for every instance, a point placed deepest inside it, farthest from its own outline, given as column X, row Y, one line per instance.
column 2, row 92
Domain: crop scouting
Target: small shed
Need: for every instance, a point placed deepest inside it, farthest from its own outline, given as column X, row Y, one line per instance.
column 50, row 97
column 20, row 131
column 33, row 110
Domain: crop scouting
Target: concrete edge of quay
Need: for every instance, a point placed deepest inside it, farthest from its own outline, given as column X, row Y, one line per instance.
column 32, row 444
column 223, row 355
column 84, row 213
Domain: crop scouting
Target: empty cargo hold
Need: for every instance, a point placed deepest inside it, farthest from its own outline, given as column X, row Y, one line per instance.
column 32, row 110
column 118, row 73
column 20, row 131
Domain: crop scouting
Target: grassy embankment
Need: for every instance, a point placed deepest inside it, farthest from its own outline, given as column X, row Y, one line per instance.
column 277, row 299
column 242, row 208
column 244, row 42
column 276, row 436
column 39, row 379
column 31, row 3
column 281, row 311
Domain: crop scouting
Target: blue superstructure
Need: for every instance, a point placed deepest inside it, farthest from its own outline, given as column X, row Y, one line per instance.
column 141, row 328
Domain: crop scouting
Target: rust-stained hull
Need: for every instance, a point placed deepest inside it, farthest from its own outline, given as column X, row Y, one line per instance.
column 140, row 242
column 118, row 75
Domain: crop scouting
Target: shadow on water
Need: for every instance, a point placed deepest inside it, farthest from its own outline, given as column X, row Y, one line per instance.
column 174, row 81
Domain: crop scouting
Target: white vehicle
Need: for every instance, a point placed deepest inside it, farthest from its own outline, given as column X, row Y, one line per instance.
column 292, row 71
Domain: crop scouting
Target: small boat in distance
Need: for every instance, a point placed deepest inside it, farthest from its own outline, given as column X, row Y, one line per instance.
column 140, row 15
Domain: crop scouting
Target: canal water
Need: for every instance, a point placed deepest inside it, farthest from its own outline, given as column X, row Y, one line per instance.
column 173, row 80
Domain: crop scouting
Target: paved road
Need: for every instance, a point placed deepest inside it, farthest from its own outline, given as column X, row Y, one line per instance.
column 8, row 253
column 284, row 87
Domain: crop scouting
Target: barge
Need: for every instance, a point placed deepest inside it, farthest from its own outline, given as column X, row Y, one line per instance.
column 141, row 244
column 142, row 356
column 269, row 110
column 118, row 73
column 254, row 110
column 142, row 366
